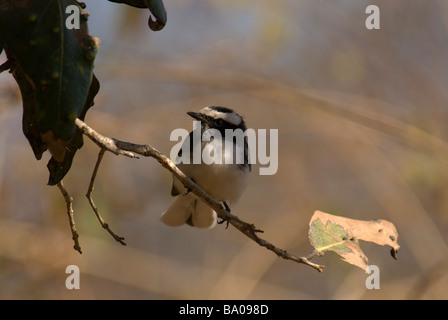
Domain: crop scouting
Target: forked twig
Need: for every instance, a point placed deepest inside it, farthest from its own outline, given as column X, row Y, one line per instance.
column 248, row 229
column 70, row 213
column 92, row 203
column 130, row 149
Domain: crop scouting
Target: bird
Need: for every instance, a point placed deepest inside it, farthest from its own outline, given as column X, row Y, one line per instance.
column 224, row 180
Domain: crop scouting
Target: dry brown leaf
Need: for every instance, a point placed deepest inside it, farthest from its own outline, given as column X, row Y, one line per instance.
column 338, row 234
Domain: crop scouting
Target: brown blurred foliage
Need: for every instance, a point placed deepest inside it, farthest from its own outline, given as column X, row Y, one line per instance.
column 362, row 133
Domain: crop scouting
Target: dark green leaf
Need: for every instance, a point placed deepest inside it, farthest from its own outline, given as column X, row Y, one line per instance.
column 59, row 169
column 53, row 66
column 30, row 125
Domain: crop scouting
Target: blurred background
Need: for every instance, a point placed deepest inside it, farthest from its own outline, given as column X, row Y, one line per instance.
column 363, row 133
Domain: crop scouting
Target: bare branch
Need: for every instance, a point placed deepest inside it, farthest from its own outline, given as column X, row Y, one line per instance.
column 70, row 213
column 102, row 141
column 130, row 149
column 92, row 203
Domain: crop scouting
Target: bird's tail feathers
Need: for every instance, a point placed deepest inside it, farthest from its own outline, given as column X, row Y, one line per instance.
column 187, row 208
column 203, row 216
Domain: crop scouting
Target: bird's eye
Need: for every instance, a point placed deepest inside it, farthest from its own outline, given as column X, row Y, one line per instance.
column 219, row 122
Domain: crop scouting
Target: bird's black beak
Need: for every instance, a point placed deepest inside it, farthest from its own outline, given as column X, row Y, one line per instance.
column 196, row 116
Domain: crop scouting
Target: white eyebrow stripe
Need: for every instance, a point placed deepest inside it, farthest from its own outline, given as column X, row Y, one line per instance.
column 231, row 117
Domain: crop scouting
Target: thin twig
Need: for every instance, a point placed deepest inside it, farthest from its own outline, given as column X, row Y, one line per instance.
column 102, row 141
column 92, row 203
column 126, row 148
column 70, row 213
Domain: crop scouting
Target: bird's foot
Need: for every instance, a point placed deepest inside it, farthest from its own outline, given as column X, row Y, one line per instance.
column 226, row 206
